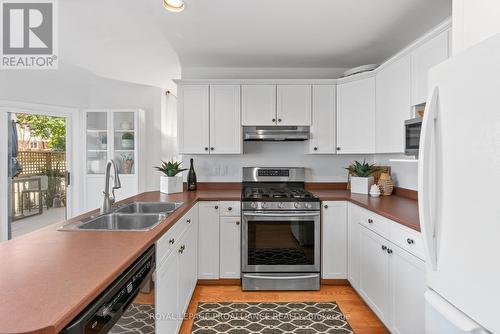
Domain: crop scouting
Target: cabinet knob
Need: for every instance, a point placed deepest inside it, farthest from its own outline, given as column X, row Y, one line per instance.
column 338, row 148
column 410, row 241
column 237, row 223
column 389, row 251
column 384, row 247
column 206, row 148
column 211, row 149
column 279, row 120
column 274, row 120
column 181, row 249
column 229, row 209
column 315, row 148
column 188, row 221
column 370, row 221
column 216, row 207
column 171, row 241
column 325, row 206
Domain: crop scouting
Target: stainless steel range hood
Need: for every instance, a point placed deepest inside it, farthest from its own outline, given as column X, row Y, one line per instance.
column 276, row 133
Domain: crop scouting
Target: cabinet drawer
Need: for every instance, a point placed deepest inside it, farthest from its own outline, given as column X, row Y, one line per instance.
column 231, row 208
column 169, row 240
column 407, row 239
column 374, row 222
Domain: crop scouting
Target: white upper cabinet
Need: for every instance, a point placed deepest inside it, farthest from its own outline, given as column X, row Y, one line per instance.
column 193, row 119
column 225, row 119
column 294, row 105
column 423, row 59
column 356, row 116
column 393, row 105
column 323, row 129
column 258, row 104
column 473, row 22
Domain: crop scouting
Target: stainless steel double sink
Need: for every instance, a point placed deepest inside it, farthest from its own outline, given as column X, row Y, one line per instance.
column 135, row 216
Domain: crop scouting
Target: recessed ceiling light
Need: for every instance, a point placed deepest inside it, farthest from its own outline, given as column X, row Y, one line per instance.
column 174, row 5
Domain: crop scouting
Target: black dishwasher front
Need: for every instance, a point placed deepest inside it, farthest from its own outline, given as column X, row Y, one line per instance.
column 100, row 316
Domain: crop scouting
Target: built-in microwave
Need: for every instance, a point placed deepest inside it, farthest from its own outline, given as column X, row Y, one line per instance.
column 412, row 136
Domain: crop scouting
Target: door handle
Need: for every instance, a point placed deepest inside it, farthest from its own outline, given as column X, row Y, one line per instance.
column 282, row 277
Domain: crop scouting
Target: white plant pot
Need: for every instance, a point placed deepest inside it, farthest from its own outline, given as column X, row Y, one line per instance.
column 127, row 144
column 361, row 185
column 171, row 184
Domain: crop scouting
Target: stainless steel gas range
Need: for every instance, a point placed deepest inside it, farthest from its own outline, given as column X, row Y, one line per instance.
column 281, row 231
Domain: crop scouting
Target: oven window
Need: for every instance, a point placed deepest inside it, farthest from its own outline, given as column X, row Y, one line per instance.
column 413, row 136
column 280, row 242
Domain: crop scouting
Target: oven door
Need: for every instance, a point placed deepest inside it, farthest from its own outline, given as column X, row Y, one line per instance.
column 281, row 241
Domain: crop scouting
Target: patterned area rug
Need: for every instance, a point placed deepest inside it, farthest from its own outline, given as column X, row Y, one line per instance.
column 270, row 318
column 136, row 319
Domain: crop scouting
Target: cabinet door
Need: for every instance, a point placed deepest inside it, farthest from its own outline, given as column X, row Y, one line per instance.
column 208, row 240
column 423, row 59
column 374, row 273
column 230, row 247
column 166, row 295
column 393, row 106
column 323, row 129
column 193, row 119
column 334, row 240
column 407, row 288
column 258, row 104
column 294, row 105
column 356, row 116
column 187, row 267
column 225, row 119
column 353, row 245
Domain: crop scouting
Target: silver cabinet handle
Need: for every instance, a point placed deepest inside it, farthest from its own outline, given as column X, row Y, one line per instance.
column 281, row 214
column 282, row 277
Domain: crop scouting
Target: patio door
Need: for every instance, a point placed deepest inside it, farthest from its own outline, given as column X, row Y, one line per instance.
column 38, row 169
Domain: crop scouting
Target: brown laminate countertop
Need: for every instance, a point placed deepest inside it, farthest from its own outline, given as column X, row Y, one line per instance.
column 48, row 277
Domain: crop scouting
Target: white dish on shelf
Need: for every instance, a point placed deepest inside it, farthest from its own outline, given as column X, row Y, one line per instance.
column 359, row 69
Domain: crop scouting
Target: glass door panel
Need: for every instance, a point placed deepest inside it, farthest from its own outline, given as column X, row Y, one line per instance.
column 124, row 141
column 97, row 142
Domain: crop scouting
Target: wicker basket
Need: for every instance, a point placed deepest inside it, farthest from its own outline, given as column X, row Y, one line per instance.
column 385, row 184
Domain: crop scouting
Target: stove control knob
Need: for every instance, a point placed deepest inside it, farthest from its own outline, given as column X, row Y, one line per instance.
column 264, row 205
column 308, row 205
column 253, row 205
column 296, row 205
column 281, row 205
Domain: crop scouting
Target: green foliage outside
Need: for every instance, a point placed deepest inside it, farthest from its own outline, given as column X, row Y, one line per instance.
column 51, row 130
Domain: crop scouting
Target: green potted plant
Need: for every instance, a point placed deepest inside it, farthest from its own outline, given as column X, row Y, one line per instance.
column 171, row 180
column 361, row 175
column 128, row 140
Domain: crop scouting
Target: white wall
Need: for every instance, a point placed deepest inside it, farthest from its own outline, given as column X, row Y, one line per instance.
column 404, row 174
column 227, row 168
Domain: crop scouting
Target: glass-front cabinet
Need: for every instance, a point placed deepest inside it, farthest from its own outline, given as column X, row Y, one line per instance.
column 110, row 134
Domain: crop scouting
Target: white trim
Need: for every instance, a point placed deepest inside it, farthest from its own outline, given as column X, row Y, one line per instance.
column 72, row 152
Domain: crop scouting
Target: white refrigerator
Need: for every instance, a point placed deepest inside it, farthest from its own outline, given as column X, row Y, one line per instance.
column 459, row 192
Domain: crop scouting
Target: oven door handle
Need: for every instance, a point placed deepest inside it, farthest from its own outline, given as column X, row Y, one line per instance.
column 281, row 277
column 281, row 214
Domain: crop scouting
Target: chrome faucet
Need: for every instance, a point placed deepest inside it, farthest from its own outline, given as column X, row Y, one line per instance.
column 109, row 200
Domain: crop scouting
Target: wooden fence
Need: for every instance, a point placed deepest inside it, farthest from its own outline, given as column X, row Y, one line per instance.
column 39, row 162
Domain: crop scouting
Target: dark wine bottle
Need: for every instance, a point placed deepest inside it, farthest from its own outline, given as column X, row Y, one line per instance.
column 191, row 181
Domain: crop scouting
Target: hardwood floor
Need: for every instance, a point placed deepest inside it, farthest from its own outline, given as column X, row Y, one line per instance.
column 359, row 315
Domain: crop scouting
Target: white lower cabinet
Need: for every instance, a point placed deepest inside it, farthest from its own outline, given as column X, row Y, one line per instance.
column 407, row 288
column 176, row 273
column 390, row 279
column 374, row 273
column 334, row 240
column 353, row 219
column 230, row 247
column 208, row 241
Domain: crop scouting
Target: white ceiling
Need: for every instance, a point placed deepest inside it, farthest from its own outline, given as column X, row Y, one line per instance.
column 297, row 33
column 139, row 41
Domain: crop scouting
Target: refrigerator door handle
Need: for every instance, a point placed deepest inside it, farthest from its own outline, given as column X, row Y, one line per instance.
column 452, row 314
column 426, row 173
